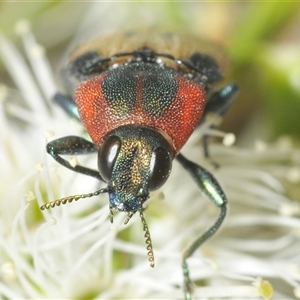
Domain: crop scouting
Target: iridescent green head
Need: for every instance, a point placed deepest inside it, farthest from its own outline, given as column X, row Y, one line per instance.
column 133, row 160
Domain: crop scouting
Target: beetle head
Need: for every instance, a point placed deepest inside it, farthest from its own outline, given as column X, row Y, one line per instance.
column 133, row 160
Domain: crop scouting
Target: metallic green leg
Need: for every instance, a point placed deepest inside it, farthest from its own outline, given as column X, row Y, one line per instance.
column 210, row 187
column 73, row 145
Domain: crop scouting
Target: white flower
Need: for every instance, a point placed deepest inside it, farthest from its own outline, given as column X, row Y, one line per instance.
column 74, row 252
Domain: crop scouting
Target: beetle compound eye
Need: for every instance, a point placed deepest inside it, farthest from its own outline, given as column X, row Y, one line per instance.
column 160, row 168
column 107, row 156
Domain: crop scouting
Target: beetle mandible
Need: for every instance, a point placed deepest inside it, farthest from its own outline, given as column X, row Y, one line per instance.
column 140, row 95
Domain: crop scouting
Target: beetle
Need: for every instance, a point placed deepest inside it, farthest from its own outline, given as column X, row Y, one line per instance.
column 140, row 95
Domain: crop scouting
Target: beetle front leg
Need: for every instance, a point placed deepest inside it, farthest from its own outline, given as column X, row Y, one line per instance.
column 211, row 188
column 73, row 145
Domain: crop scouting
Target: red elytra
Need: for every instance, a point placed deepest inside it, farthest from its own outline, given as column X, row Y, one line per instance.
column 178, row 120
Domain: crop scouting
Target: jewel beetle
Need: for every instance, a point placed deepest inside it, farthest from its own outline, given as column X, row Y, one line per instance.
column 140, row 95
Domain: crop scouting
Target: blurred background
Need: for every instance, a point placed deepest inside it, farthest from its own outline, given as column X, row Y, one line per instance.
column 262, row 41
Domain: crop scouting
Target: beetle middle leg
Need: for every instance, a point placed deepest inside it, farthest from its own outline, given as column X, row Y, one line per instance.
column 67, row 103
column 217, row 105
column 210, row 187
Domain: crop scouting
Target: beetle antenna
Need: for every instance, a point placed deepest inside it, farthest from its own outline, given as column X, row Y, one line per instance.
column 69, row 199
column 148, row 240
